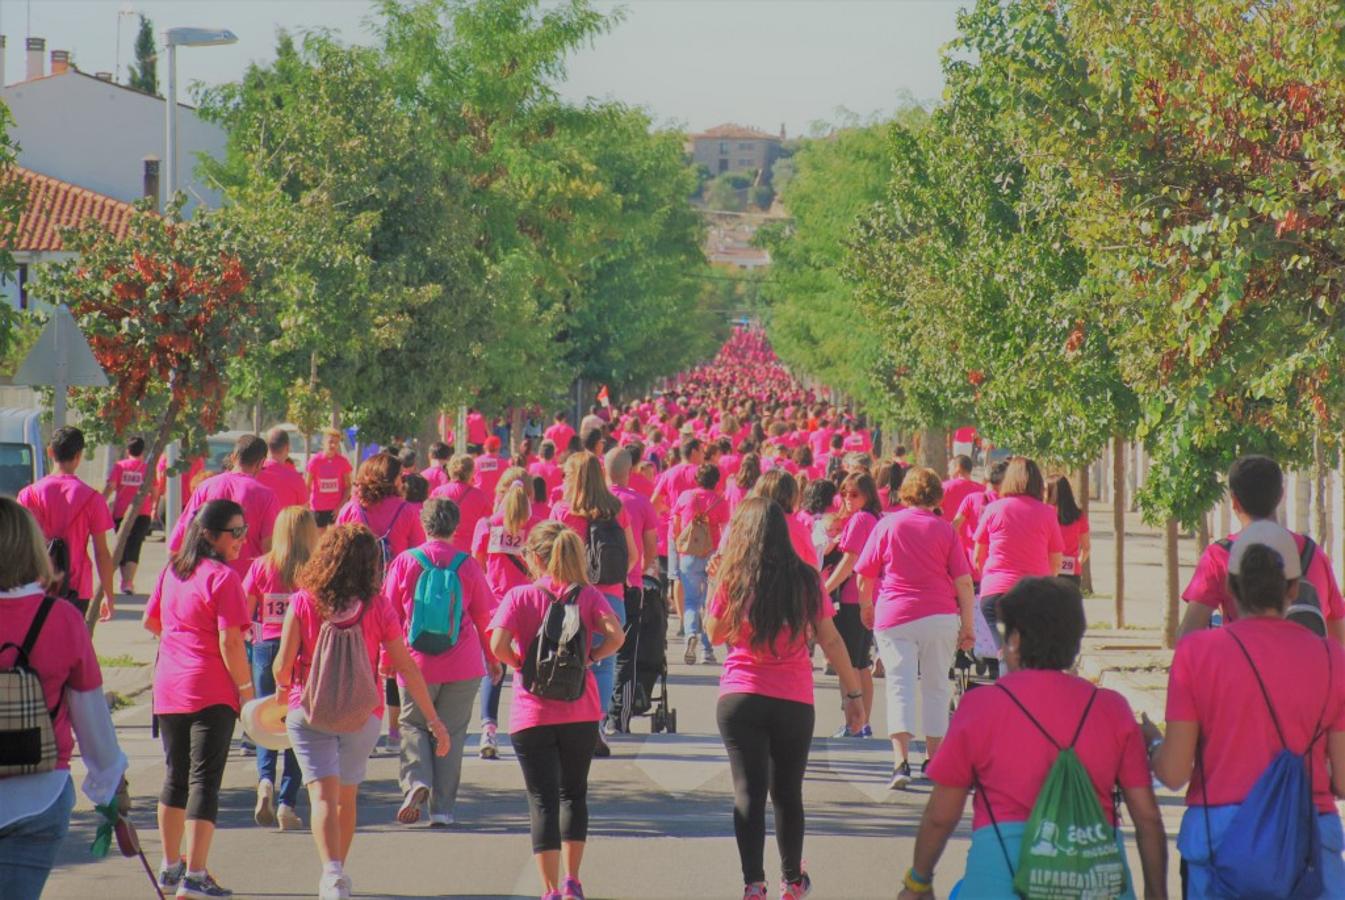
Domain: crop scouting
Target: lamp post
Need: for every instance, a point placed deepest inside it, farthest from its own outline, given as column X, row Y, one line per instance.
column 174, row 38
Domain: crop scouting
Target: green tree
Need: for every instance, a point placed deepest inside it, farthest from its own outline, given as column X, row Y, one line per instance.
column 722, row 195
column 144, row 72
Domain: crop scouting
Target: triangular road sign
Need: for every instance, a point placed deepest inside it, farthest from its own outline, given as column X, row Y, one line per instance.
column 61, row 347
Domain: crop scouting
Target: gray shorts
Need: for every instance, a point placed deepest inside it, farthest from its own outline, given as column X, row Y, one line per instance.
column 323, row 754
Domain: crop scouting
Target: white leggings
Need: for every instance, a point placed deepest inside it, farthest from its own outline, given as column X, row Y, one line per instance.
column 920, row 650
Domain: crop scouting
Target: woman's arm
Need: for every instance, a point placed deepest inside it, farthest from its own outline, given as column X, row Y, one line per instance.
column 502, row 646
column 236, row 660
column 1175, row 758
column 282, row 668
column 966, row 601
column 1150, row 839
column 834, row 649
column 632, row 549
column 982, row 553
column 866, row 588
column 942, row 813
column 415, row 686
column 1085, row 547
column 843, row 570
column 1054, row 562
column 613, row 636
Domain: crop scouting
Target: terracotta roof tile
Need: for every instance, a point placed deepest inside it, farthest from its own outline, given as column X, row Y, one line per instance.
column 54, row 204
column 732, row 131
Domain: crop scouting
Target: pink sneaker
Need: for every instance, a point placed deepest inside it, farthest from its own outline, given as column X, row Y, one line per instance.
column 755, row 891
column 796, row 890
column 571, row 889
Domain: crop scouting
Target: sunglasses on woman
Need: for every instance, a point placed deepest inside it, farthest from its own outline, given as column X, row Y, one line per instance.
column 238, row 533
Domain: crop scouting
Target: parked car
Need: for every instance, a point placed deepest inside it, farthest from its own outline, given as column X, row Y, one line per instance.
column 22, row 461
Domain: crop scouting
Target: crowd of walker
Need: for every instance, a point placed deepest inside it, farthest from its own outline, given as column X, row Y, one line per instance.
column 315, row 604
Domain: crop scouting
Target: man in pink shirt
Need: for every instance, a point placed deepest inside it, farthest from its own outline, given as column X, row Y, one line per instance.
column 477, row 430
column 436, row 473
column 259, row 503
column 559, row 433
column 1256, row 486
column 643, row 518
column 490, row 465
column 958, row 486
column 278, row 471
column 329, row 479
column 546, row 468
column 67, row 508
column 125, row 481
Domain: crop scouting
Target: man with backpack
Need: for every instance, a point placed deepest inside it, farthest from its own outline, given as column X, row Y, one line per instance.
column 72, row 516
column 1256, row 486
column 240, row 485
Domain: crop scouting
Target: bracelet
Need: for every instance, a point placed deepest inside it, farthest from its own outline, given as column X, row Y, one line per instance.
column 916, row 883
column 857, row 695
column 244, row 686
column 1154, row 745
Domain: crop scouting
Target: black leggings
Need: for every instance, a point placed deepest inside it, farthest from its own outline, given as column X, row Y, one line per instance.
column 555, row 761
column 767, row 742
column 195, row 749
column 136, row 540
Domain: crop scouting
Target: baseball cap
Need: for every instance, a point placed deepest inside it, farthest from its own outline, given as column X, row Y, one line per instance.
column 1272, row 535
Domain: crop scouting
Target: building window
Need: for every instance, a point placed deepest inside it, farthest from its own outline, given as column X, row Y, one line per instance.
column 23, row 285
column 746, row 146
column 746, row 163
column 723, row 146
column 723, row 166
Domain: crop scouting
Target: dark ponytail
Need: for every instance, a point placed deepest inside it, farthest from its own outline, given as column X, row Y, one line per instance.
column 1261, row 586
column 213, row 516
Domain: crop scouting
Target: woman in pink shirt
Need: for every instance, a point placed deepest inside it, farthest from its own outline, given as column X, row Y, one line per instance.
column 1018, row 536
column 700, row 503
column 766, row 609
column 339, row 585
column 328, row 479
column 915, row 593
column 1073, row 529
column 555, row 739
column 269, row 584
column 199, row 612
column 860, row 509
column 453, row 676
column 127, row 476
column 741, row 484
column 473, row 503
column 1004, row 740
column 1241, row 694
column 49, row 635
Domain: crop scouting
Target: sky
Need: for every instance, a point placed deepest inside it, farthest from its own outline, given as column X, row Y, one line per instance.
column 690, row 63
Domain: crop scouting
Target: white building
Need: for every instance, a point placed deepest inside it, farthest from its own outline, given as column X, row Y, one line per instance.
column 89, row 131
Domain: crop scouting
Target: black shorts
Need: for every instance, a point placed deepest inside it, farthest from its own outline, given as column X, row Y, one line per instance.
column 136, row 540
column 391, row 696
column 324, row 518
column 858, row 639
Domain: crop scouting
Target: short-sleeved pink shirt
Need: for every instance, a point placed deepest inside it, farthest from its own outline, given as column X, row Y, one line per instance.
column 783, row 671
column 270, row 597
column 66, row 507
column 854, row 536
column 190, row 674
column 464, row 660
column 916, row 556
column 503, row 552
column 1021, row 533
column 1209, row 583
column 701, row 501
column 579, row 525
column 330, row 475
column 391, row 516
column 126, row 478
column 955, row 490
column 260, row 509
column 473, row 506
column 285, row 482
column 380, row 624
column 1071, row 534
column 643, row 519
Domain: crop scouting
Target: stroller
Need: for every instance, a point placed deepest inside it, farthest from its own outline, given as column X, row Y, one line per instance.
column 967, row 674
column 642, row 663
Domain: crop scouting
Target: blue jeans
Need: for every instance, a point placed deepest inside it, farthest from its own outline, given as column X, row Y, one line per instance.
column 605, row 672
column 490, row 699
column 28, row 847
column 263, row 653
column 695, row 585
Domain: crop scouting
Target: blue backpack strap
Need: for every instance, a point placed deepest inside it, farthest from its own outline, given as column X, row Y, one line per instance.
column 457, row 562
column 421, row 557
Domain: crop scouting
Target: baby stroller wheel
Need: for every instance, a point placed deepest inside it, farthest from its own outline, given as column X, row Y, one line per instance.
column 656, row 722
column 672, row 721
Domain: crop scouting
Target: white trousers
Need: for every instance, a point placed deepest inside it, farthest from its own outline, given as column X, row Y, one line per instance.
column 918, row 653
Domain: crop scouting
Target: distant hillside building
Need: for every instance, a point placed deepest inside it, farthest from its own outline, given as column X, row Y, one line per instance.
column 735, row 148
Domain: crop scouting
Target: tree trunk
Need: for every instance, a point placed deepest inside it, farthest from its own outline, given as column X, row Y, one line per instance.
column 257, row 417
column 515, row 429
column 1174, row 585
column 429, row 434
column 1119, row 526
column 1082, row 492
column 934, row 450
column 1321, row 524
column 146, row 486
column 1203, row 532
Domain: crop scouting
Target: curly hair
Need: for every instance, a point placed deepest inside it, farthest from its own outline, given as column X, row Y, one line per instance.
column 377, row 479
column 344, row 569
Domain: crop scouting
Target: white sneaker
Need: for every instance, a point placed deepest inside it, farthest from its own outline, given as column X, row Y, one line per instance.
column 289, row 819
column 441, row 820
column 334, row 887
column 265, row 813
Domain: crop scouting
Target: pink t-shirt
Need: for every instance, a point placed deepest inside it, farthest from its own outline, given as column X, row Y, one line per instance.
column 127, row 476
column 578, row 524
column 643, row 520
column 729, row 464
column 548, row 471
column 477, row 432
column 1070, row 534
column 67, row 508
column 379, row 621
column 917, row 556
column 955, row 490
column 1211, row 684
column 486, row 474
column 435, row 475
column 700, row 501
column 671, row 484
column 522, row 612
column 473, row 506
column 642, row 486
column 190, row 674
column 330, row 476
column 62, row 655
column 784, row 671
column 801, row 536
column 285, row 482
column 970, row 512
column 820, row 440
column 503, row 552
column 990, row 738
column 559, row 434
column 1209, row 583
column 260, row 509
column 270, row 597
column 1021, row 533
column 734, row 495
column 392, row 517
column 464, row 660
column 854, row 536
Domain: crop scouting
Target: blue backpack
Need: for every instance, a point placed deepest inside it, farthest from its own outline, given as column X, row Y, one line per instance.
column 1272, row 848
column 436, row 616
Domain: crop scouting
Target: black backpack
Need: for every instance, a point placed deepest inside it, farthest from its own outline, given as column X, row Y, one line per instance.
column 608, row 559
column 556, row 668
column 1306, row 609
column 59, row 554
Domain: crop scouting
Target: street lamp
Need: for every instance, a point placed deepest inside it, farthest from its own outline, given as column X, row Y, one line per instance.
column 174, row 38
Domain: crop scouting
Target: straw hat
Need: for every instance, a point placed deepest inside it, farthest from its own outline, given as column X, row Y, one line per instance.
column 264, row 721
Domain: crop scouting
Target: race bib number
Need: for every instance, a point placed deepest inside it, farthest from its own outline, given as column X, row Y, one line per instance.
column 274, row 607
column 488, row 464
column 502, row 541
column 1069, row 566
column 131, row 478
column 329, row 485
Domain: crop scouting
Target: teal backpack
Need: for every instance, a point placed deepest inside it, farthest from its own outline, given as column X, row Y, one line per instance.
column 436, row 616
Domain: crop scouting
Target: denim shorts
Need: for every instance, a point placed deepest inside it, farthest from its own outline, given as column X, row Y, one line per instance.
column 323, row 754
column 28, row 847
